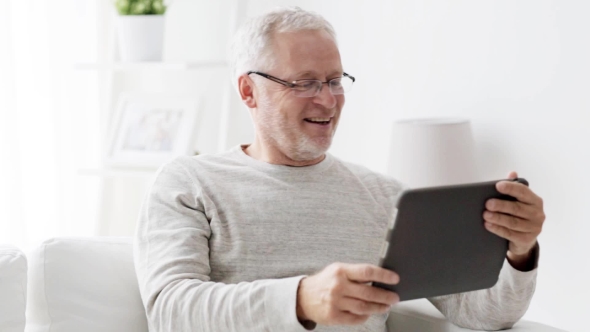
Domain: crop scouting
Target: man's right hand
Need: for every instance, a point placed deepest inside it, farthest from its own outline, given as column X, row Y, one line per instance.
column 340, row 295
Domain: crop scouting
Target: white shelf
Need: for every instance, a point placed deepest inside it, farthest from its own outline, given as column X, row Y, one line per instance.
column 117, row 172
column 151, row 65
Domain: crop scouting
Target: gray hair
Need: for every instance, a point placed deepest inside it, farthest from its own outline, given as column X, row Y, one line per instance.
column 250, row 45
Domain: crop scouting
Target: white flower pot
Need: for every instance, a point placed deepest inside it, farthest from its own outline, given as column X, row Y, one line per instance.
column 141, row 37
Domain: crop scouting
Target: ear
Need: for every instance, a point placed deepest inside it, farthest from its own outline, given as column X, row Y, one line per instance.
column 246, row 90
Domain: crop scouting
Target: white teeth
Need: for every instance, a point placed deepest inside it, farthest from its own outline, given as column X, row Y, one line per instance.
column 319, row 119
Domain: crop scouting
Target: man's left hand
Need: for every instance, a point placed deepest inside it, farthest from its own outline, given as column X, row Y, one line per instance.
column 520, row 221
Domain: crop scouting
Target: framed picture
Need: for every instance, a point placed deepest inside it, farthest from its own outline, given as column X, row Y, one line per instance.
column 151, row 129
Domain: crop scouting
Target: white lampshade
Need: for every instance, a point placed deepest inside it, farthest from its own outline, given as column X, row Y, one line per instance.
column 433, row 152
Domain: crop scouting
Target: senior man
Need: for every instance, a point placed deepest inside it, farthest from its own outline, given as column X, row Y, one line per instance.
column 279, row 235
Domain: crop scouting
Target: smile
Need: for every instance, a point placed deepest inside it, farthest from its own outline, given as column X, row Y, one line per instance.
column 321, row 121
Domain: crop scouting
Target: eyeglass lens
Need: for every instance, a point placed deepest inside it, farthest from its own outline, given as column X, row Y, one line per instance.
column 312, row 88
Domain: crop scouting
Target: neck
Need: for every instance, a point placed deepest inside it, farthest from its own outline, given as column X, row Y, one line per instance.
column 272, row 155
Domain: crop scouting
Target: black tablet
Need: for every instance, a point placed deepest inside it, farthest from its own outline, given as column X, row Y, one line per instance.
column 438, row 243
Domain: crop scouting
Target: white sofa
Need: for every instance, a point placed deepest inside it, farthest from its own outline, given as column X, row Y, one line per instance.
column 88, row 284
column 13, row 289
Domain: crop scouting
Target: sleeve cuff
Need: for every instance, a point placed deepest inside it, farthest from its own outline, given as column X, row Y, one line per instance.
column 280, row 302
column 519, row 277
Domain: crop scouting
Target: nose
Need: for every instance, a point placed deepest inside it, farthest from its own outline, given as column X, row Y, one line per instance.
column 325, row 97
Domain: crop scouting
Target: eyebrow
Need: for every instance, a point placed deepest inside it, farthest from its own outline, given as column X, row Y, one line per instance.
column 315, row 74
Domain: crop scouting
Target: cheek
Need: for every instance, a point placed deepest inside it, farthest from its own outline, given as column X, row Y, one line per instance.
column 340, row 102
column 294, row 110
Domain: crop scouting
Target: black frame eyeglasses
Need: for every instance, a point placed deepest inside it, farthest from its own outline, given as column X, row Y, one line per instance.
column 312, row 88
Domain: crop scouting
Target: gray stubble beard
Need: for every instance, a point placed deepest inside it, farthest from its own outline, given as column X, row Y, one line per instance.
column 298, row 147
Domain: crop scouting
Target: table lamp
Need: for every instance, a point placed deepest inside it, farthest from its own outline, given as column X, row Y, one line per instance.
column 432, row 152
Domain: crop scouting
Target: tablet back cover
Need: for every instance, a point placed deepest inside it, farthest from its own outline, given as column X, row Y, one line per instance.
column 439, row 245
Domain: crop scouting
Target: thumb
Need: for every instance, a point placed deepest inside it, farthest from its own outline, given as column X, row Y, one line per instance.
column 512, row 175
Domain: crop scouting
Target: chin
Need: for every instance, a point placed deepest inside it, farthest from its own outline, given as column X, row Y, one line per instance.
column 311, row 149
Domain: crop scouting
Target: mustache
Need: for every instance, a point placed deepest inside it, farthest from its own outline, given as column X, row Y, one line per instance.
column 320, row 112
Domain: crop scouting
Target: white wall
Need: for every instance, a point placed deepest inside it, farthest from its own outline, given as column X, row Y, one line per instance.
column 518, row 69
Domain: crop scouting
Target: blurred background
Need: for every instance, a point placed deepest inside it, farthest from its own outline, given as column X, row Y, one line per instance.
column 518, row 70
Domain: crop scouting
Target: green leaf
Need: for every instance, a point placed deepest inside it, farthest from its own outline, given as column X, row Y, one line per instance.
column 122, row 7
column 158, row 7
column 140, row 7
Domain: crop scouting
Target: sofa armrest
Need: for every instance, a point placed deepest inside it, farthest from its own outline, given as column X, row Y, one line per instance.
column 13, row 289
column 421, row 315
column 84, row 285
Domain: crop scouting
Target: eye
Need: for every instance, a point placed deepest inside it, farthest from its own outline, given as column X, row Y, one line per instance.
column 337, row 82
column 306, row 85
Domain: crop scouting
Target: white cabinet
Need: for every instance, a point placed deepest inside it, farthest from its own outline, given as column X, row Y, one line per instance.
column 196, row 30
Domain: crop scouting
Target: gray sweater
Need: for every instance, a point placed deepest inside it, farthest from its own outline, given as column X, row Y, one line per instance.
column 223, row 241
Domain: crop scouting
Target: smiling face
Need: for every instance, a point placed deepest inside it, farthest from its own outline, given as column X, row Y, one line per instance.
column 296, row 128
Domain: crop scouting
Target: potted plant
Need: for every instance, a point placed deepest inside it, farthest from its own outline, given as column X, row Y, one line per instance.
column 140, row 26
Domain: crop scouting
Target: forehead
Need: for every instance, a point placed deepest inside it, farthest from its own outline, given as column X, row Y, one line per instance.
column 307, row 51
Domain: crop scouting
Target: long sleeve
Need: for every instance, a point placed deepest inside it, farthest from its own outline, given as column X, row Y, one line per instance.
column 172, row 264
column 496, row 308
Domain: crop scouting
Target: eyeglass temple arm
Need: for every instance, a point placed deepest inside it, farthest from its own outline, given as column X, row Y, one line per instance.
column 349, row 76
column 272, row 78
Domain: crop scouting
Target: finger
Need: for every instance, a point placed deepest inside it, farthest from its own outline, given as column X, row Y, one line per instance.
column 511, row 222
column 517, row 209
column 519, row 238
column 519, row 191
column 512, row 175
column 371, row 294
column 370, row 273
column 358, row 307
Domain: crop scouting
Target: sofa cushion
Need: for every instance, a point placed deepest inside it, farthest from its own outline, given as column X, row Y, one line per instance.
column 13, row 289
column 84, row 284
column 421, row 315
